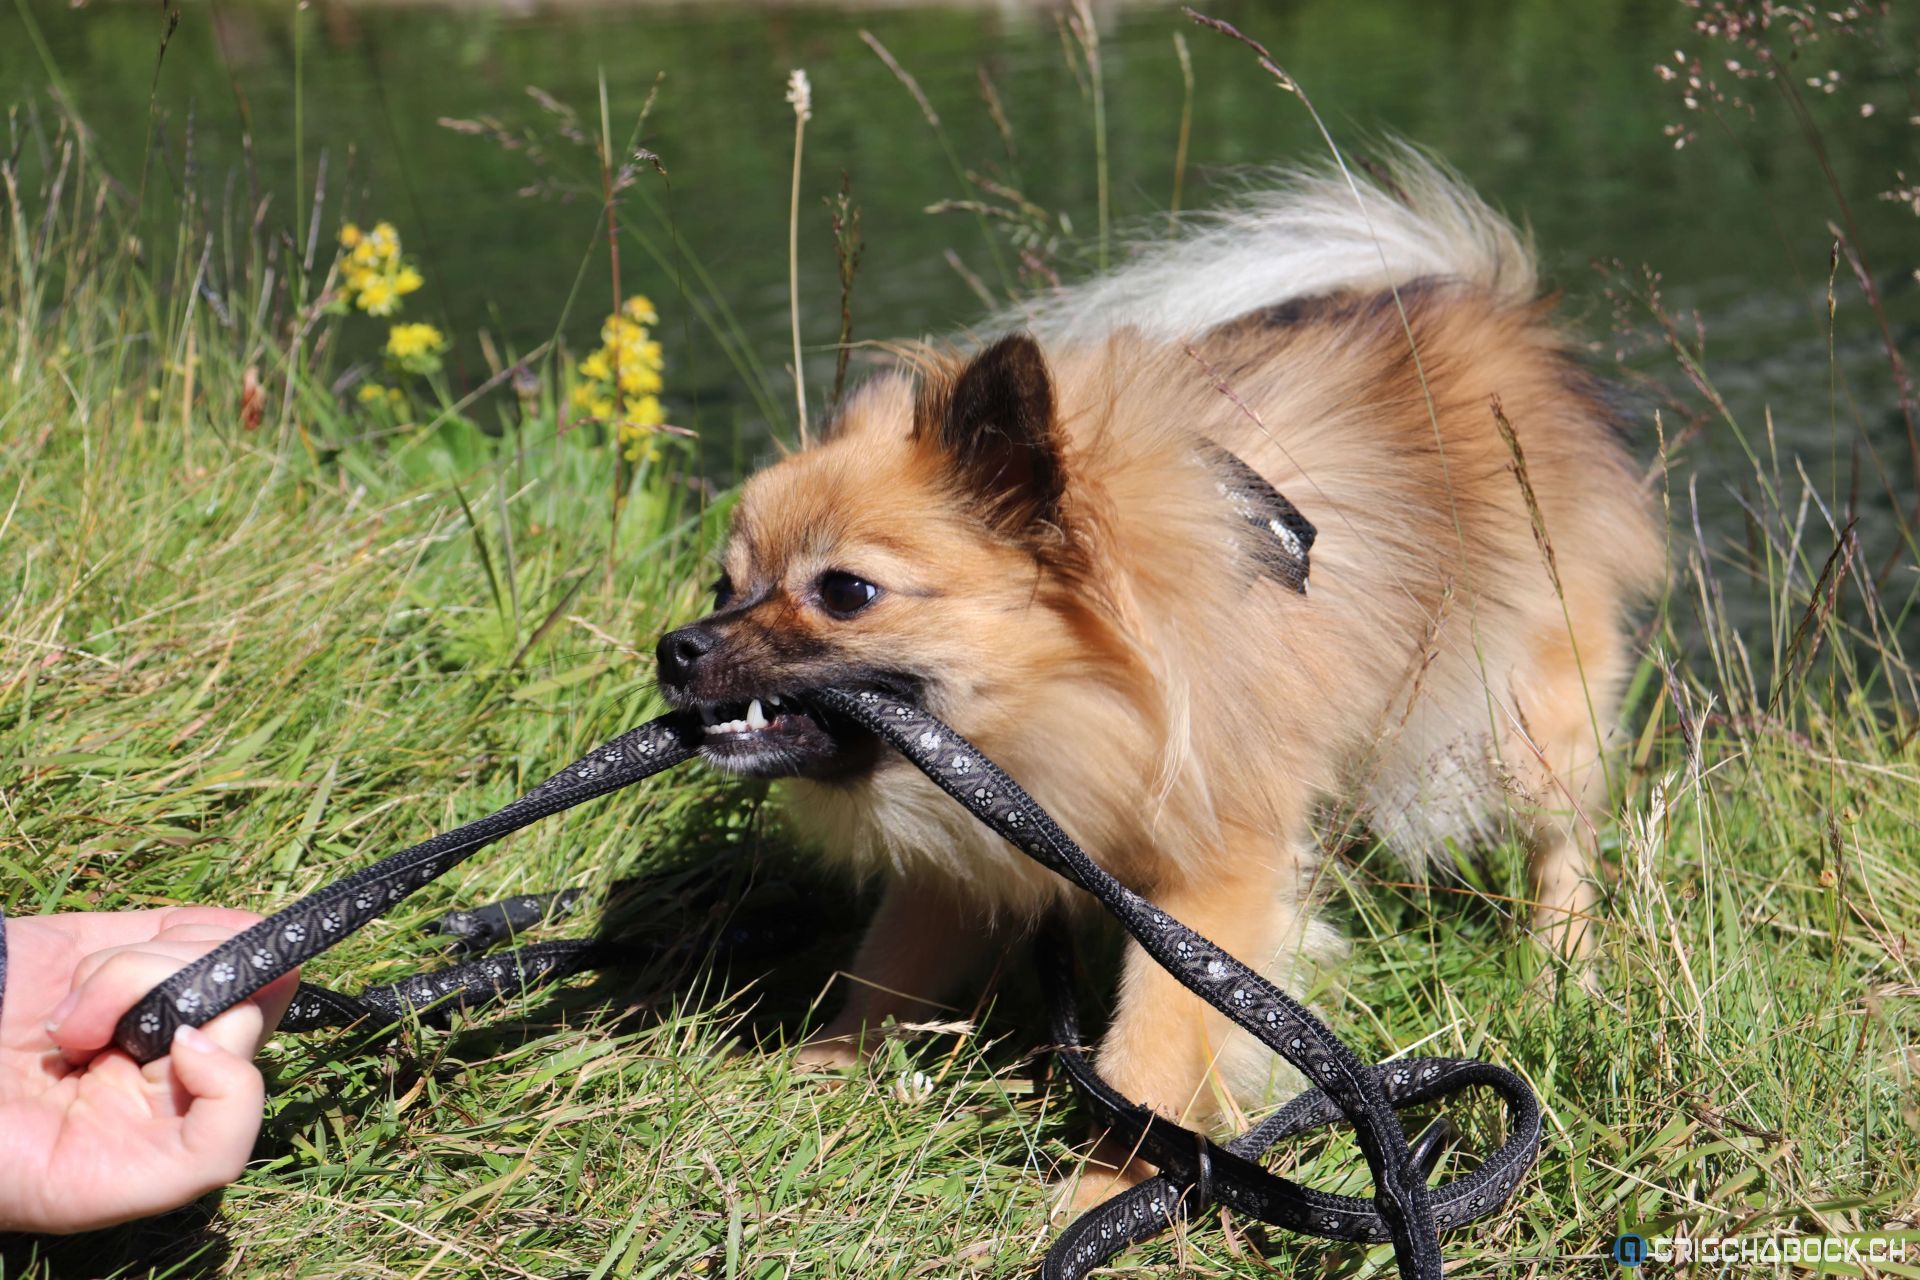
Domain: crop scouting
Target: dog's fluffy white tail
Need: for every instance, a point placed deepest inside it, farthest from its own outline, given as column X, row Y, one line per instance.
column 1297, row 234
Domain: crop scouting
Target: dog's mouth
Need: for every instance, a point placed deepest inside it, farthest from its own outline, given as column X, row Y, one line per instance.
column 781, row 735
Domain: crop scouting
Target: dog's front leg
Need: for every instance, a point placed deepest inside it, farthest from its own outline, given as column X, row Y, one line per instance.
column 1166, row 1048
column 923, row 943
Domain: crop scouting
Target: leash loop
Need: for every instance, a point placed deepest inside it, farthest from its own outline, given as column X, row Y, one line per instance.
column 1402, row 1206
column 1425, row 1151
column 1202, row 1176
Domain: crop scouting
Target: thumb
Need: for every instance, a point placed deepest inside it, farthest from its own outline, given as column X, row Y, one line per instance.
column 226, row 1100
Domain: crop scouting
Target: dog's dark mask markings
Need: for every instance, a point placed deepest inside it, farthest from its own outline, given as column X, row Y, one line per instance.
column 765, row 733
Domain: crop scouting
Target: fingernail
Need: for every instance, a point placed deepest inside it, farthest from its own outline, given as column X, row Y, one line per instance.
column 61, row 1011
column 192, row 1037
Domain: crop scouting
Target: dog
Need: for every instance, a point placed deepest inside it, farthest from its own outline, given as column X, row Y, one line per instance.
column 1049, row 543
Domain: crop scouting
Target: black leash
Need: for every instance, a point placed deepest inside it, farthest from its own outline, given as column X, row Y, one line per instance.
column 1403, row 1210
column 1195, row 1171
column 289, row 938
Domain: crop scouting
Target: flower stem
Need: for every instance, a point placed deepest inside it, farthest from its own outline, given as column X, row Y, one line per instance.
column 801, row 96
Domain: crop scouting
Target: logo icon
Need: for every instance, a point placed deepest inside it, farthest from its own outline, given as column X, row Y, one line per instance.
column 1629, row 1250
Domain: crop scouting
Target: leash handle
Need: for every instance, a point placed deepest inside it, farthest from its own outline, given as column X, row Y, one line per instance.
column 283, row 941
column 1230, row 1174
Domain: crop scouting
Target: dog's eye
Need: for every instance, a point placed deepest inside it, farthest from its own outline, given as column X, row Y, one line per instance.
column 844, row 595
column 722, row 592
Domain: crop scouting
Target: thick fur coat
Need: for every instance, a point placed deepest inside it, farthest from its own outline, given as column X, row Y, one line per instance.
column 1055, row 573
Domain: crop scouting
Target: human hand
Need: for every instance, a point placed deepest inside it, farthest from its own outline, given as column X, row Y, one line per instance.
column 89, row 1137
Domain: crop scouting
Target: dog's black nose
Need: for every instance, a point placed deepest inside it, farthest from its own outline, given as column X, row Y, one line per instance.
column 680, row 651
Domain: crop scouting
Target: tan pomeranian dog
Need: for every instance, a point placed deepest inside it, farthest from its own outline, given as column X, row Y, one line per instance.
column 1047, row 545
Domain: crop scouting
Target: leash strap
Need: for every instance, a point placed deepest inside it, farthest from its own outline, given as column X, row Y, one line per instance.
column 1194, row 1170
column 289, row 938
column 434, row 997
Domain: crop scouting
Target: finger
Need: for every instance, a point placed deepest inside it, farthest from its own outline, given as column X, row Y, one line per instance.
column 177, row 951
column 195, row 931
column 172, row 952
column 273, row 999
column 227, row 918
column 108, row 983
column 241, row 1030
column 97, row 930
column 227, row 1098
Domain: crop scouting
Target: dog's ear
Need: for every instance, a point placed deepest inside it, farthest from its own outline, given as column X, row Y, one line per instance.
column 995, row 424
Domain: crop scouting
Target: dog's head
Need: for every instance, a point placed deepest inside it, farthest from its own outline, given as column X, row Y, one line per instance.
column 921, row 548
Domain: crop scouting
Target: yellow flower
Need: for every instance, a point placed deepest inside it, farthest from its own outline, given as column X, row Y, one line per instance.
column 645, row 411
column 622, row 377
column 377, row 277
column 638, row 351
column 637, row 379
column 377, row 297
column 640, row 310
column 622, row 333
column 371, row 391
column 640, row 442
column 405, row 341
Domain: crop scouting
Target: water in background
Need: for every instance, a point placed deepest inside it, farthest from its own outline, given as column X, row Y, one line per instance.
column 1553, row 110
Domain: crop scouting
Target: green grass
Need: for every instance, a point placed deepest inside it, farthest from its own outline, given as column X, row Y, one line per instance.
column 236, row 664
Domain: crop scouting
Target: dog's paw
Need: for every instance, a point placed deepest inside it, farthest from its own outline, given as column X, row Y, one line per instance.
column 828, row 1053
column 1098, row 1179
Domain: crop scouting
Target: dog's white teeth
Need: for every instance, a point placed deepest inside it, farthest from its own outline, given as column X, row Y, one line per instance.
column 756, row 718
column 773, row 699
